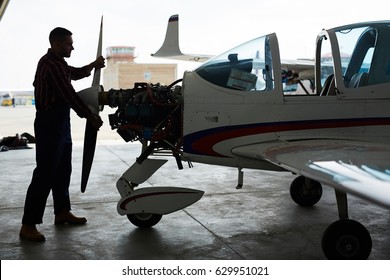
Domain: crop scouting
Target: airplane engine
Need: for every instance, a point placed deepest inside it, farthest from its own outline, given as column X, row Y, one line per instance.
column 147, row 112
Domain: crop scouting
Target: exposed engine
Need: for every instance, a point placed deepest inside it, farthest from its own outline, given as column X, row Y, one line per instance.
column 149, row 113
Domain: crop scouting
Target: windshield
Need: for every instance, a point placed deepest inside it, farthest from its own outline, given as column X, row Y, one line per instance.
column 364, row 55
column 247, row 67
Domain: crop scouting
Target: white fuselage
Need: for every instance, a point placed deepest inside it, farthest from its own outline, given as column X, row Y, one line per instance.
column 218, row 120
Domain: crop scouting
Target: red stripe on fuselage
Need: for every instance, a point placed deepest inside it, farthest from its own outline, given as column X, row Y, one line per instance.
column 204, row 141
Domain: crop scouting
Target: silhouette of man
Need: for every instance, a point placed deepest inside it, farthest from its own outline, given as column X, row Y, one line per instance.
column 54, row 97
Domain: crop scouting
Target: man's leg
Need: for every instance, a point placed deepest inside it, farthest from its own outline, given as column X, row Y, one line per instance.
column 34, row 206
column 61, row 182
column 62, row 205
column 36, row 198
column 46, row 149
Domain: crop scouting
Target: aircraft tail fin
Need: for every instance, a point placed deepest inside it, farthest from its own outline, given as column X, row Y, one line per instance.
column 170, row 47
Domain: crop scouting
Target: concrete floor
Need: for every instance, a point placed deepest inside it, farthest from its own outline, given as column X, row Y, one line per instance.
column 259, row 221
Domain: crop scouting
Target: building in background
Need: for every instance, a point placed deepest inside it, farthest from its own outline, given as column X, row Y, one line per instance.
column 16, row 97
column 122, row 71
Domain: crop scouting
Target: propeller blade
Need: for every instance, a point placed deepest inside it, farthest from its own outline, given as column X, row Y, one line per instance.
column 90, row 137
column 96, row 74
column 90, row 134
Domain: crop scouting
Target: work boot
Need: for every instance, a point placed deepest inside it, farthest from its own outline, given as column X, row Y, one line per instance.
column 30, row 232
column 66, row 217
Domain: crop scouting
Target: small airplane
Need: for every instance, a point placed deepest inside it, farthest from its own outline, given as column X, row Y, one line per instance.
column 237, row 110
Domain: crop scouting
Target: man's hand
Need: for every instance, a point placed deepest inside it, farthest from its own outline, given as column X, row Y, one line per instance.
column 98, row 63
column 96, row 121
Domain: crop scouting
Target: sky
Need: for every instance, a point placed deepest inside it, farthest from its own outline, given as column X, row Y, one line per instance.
column 206, row 27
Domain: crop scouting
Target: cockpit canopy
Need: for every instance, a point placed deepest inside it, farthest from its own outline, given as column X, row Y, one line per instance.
column 247, row 67
column 361, row 56
column 349, row 57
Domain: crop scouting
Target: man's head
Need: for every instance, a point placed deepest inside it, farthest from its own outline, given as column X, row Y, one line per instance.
column 61, row 41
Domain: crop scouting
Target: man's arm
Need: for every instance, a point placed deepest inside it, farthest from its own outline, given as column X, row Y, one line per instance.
column 79, row 73
column 67, row 91
column 97, row 64
column 96, row 121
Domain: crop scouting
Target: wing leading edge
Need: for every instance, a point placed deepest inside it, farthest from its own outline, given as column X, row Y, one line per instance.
column 356, row 167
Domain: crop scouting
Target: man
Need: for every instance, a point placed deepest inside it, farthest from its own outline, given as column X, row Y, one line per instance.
column 54, row 97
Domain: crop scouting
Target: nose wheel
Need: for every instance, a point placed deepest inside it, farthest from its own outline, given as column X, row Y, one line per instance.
column 346, row 240
column 144, row 220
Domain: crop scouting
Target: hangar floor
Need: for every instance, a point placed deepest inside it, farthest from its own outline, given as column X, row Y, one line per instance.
column 257, row 222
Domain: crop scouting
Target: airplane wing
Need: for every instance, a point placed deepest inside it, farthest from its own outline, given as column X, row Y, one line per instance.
column 356, row 167
column 170, row 48
column 305, row 67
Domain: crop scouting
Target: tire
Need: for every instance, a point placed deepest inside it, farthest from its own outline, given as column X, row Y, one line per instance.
column 305, row 192
column 144, row 220
column 346, row 240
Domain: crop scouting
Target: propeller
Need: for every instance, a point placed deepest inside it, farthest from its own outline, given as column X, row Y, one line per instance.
column 90, row 134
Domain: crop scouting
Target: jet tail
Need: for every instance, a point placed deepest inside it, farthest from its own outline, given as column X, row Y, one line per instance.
column 170, row 47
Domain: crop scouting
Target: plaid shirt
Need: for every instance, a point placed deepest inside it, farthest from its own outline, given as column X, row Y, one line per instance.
column 53, row 87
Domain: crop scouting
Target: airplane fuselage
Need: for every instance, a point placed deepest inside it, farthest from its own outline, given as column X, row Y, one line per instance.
column 216, row 121
column 218, row 116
